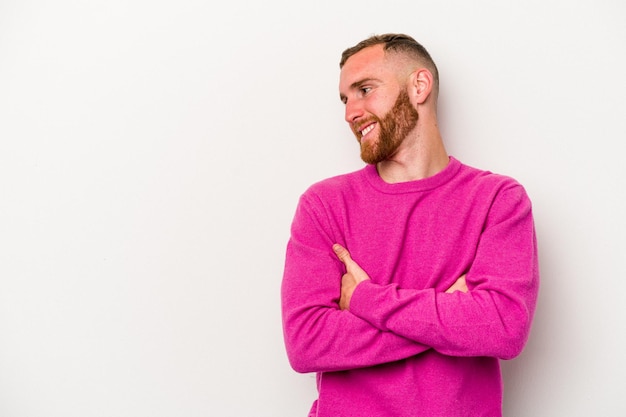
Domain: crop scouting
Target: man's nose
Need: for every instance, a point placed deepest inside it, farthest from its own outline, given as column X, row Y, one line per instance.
column 354, row 110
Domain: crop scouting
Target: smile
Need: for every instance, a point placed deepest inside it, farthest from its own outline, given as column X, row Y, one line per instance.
column 367, row 130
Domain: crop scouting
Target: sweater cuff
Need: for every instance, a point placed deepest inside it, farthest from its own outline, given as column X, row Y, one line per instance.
column 363, row 303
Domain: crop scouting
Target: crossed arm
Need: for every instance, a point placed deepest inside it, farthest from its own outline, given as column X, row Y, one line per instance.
column 355, row 275
column 321, row 334
column 367, row 323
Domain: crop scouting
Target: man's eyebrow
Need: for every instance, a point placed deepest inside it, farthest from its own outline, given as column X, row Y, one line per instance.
column 355, row 85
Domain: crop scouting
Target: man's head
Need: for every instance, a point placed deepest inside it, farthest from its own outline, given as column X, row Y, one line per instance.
column 393, row 43
column 384, row 80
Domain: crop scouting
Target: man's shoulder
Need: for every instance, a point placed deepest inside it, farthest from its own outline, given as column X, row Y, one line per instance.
column 489, row 183
column 487, row 178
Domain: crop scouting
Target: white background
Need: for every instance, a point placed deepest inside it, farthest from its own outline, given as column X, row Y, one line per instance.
column 152, row 154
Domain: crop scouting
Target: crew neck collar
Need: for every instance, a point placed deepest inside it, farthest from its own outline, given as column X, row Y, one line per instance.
column 425, row 184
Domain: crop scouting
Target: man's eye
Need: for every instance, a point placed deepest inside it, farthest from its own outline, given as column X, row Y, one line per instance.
column 366, row 90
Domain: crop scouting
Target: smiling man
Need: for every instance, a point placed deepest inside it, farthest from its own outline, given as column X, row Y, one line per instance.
column 407, row 281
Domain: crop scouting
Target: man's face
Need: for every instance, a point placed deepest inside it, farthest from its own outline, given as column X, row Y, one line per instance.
column 393, row 127
column 377, row 104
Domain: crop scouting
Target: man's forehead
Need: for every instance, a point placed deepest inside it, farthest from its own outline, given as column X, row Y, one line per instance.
column 365, row 63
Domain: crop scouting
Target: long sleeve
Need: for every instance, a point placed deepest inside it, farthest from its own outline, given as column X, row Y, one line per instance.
column 318, row 335
column 405, row 347
column 494, row 317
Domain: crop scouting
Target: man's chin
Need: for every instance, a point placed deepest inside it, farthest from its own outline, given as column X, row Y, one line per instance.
column 370, row 159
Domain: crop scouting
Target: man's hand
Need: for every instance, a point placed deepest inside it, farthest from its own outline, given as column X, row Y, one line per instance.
column 354, row 276
column 459, row 285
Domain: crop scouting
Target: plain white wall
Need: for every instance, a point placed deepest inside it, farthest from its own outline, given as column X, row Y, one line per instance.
column 152, row 154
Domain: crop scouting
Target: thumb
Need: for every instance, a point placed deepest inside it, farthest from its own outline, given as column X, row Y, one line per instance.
column 352, row 267
column 342, row 253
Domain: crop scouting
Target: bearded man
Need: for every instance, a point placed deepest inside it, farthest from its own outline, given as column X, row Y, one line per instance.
column 406, row 282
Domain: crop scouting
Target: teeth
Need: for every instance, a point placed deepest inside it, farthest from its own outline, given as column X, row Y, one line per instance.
column 367, row 130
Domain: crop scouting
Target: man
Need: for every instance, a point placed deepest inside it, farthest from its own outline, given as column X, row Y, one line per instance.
column 405, row 282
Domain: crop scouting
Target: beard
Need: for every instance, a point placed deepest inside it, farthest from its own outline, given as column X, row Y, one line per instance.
column 392, row 129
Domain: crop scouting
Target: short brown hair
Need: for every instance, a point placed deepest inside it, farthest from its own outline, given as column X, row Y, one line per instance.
column 396, row 42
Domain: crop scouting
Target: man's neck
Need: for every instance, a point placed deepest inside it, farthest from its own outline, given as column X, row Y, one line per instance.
column 415, row 160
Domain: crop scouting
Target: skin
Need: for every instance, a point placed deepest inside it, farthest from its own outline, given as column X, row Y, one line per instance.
column 369, row 86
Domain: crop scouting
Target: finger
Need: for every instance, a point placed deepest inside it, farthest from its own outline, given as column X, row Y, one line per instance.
column 342, row 253
column 462, row 284
column 459, row 285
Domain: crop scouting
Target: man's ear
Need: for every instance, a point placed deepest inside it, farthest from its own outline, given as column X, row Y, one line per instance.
column 421, row 84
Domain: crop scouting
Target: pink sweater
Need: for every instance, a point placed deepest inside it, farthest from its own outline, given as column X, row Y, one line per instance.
column 406, row 348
